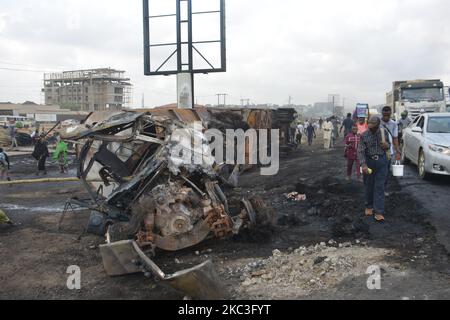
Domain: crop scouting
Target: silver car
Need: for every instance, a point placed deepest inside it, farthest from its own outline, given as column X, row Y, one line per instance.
column 426, row 143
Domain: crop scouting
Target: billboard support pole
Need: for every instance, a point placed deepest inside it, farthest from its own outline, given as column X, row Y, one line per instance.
column 184, row 17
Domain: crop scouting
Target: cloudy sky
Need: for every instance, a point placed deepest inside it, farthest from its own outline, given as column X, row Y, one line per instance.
column 276, row 49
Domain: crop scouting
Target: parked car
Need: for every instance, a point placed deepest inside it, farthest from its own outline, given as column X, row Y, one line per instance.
column 427, row 144
column 21, row 122
column 70, row 123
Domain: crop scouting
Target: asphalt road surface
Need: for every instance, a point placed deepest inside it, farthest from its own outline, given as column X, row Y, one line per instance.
column 434, row 195
column 35, row 253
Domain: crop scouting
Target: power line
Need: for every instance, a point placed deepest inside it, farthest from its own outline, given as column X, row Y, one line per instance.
column 24, row 70
column 34, row 65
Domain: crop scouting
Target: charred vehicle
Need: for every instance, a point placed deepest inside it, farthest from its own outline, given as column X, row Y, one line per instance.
column 145, row 200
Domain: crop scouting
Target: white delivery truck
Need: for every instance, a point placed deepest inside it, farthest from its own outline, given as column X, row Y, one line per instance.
column 416, row 97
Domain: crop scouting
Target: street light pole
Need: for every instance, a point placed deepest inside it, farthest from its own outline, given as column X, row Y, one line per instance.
column 334, row 108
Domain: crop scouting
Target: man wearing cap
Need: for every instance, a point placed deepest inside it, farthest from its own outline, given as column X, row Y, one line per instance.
column 374, row 163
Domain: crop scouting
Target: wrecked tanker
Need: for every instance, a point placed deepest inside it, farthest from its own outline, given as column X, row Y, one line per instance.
column 144, row 199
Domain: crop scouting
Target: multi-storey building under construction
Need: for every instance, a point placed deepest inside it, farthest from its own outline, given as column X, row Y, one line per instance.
column 88, row 90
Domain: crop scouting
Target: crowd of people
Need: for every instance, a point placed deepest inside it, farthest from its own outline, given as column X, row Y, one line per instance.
column 41, row 154
column 310, row 128
column 372, row 146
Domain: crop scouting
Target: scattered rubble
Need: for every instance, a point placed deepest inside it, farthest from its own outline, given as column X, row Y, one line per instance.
column 295, row 196
column 306, row 269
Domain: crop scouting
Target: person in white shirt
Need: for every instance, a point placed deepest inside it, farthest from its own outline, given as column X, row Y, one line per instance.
column 328, row 129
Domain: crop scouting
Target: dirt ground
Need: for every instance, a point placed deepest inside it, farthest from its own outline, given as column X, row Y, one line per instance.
column 320, row 249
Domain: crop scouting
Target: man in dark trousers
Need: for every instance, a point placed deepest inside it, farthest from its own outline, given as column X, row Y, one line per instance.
column 311, row 133
column 41, row 154
column 347, row 125
column 394, row 153
column 372, row 153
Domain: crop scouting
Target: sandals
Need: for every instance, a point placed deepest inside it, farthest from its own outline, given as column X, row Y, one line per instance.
column 378, row 217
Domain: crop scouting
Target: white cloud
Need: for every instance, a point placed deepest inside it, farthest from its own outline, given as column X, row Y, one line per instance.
column 2, row 22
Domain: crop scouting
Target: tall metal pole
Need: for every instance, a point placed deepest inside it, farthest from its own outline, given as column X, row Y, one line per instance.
column 146, row 36
column 223, row 35
column 191, row 50
column 179, row 47
column 334, row 108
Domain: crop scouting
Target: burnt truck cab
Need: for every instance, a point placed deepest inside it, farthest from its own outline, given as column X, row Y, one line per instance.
column 146, row 199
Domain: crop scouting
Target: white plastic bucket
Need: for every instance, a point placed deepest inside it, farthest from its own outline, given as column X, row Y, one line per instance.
column 398, row 170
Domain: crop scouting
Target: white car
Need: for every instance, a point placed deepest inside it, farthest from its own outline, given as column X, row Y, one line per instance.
column 426, row 143
column 70, row 123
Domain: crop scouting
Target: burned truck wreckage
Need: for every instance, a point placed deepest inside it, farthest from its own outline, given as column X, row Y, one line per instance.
column 144, row 199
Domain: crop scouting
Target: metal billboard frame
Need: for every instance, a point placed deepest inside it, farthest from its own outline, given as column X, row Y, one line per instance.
column 181, row 66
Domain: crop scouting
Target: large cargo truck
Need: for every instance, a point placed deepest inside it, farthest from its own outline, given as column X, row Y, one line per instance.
column 416, row 97
column 447, row 97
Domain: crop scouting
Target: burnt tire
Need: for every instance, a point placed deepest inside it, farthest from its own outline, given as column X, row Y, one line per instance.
column 262, row 225
column 265, row 215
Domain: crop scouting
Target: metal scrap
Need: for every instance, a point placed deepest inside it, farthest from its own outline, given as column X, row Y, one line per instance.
column 141, row 192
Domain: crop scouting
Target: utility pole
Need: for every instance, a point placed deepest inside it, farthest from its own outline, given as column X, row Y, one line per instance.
column 245, row 102
column 334, row 106
column 220, row 95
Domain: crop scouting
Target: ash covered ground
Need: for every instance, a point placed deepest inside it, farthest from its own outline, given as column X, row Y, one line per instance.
column 319, row 249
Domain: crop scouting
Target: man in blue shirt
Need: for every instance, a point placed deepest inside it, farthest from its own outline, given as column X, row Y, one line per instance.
column 347, row 125
column 394, row 153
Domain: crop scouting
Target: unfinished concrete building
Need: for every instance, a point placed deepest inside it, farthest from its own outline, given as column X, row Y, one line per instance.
column 88, row 90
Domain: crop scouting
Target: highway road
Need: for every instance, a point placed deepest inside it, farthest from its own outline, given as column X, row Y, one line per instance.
column 434, row 195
